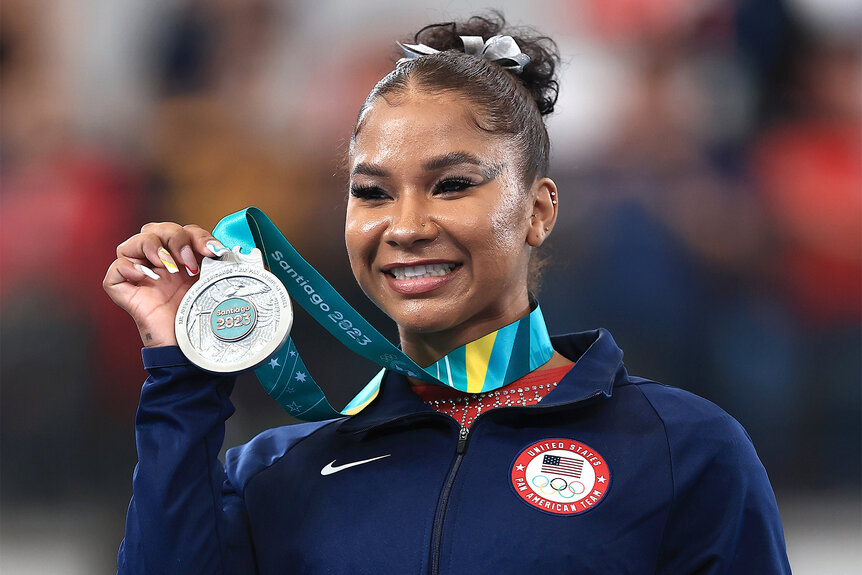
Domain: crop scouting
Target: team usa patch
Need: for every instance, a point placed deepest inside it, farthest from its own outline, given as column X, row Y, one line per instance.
column 561, row 476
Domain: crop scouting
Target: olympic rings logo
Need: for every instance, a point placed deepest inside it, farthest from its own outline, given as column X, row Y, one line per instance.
column 558, row 485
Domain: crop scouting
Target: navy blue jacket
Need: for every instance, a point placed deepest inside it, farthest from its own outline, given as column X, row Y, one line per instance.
column 660, row 480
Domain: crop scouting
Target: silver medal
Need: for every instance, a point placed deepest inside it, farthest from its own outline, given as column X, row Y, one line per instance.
column 235, row 316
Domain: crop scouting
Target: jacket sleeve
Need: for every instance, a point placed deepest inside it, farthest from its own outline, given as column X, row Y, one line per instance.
column 724, row 518
column 185, row 516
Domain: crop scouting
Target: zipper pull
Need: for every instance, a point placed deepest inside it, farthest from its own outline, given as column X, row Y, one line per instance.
column 462, row 440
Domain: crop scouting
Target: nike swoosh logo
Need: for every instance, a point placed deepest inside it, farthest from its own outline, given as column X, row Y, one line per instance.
column 330, row 468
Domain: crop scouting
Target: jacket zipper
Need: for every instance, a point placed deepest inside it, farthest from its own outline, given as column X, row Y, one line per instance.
column 461, row 447
column 443, row 501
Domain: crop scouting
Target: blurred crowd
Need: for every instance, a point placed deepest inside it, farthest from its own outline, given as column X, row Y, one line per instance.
column 708, row 155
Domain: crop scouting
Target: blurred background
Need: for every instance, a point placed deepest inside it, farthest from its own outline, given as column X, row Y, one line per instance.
column 708, row 155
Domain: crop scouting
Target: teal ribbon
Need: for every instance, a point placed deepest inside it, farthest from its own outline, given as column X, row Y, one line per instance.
column 488, row 363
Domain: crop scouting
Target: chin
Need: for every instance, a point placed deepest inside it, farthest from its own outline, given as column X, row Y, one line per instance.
column 421, row 323
column 424, row 317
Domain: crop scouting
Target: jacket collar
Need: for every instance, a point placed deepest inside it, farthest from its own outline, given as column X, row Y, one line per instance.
column 598, row 365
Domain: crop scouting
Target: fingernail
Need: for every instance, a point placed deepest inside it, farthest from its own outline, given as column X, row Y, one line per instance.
column 168, row 261
column 189, row 261
column 147, row 271
column 216, row 248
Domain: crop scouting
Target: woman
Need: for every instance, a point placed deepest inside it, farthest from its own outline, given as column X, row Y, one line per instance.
column 573, row 467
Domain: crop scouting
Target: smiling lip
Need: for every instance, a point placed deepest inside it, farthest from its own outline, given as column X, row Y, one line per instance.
column 418, row 285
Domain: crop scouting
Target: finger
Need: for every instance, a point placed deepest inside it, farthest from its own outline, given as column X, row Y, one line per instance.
column 201, row 244
column 168, row 245
column 188, row 246
column 216, row 248
column 148, row 272
column 147, row 249
column 123, row 270
column 165, row 244
column 168, row 261
column 144, row 245
column 163, row 229
column 204, row 242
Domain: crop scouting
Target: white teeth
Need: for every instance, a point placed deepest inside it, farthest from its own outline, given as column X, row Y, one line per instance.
column 418, row 272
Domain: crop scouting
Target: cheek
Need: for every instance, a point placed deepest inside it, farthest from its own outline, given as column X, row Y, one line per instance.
column 507, row 221
column 353, row 240
column 361, row 236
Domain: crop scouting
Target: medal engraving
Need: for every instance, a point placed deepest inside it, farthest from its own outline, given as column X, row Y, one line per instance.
column 235, row 316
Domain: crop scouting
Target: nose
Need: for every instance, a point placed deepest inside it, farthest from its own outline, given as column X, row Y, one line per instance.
column 411, row 223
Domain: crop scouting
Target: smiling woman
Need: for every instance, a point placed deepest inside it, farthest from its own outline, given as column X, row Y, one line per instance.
column 429, row 188
column 527, row 453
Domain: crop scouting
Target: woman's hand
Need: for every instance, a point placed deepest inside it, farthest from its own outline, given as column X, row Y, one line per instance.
column 153, row 271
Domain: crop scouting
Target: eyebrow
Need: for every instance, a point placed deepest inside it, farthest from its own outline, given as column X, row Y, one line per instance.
column 368, row 170
column 451, row 159
column 434, row 164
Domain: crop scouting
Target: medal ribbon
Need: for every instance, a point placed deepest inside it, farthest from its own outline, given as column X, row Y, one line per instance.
column 485, row 364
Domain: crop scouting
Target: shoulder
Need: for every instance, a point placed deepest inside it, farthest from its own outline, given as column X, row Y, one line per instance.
column 701, row 437
column 245, row 461
column 723, row 510
column 684, row 412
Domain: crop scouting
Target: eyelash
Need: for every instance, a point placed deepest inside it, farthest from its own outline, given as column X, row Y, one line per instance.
column 367, row 192
column 460, row 183
column 454, row 185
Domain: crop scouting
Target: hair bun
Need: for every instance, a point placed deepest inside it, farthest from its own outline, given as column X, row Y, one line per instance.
column 539, row 77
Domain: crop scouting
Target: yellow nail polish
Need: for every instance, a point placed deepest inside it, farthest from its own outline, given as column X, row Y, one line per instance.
column 168, row 261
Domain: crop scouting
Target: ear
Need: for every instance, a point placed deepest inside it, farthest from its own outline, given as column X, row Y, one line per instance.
column 543, row 215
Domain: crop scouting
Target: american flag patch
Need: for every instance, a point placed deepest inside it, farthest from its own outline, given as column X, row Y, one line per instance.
column 559, row 465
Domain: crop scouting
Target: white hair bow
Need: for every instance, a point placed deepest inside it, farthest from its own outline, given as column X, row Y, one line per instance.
column 502, row 50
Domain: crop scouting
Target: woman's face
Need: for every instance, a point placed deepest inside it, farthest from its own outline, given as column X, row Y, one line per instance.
column 437, row 218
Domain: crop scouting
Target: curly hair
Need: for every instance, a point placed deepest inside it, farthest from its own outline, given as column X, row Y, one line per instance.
column 509, row 104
